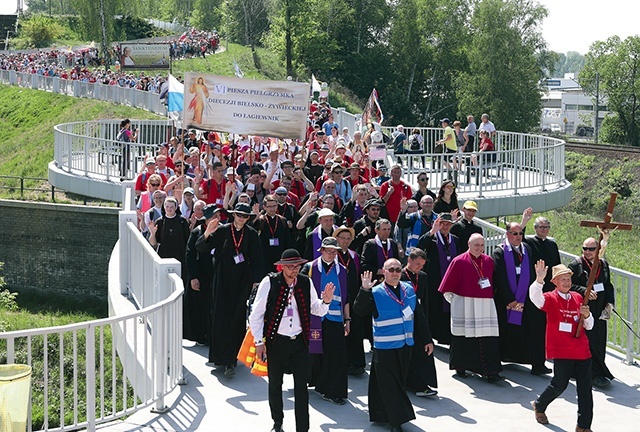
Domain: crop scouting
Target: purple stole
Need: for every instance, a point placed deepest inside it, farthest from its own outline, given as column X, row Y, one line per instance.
column 316, row 269
column 381, row 257
column 316, row 239
column 445, row 256
column 357, row 212
column 521, row 288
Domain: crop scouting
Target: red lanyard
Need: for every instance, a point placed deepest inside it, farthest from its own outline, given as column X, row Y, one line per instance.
column 586, row 263
column 385, row 252
column 273, row 231
column 568, row 304
column 478, row 268
column 393, row 297
column 414, row 283
column 236, row 244
column 346, row 265
column 329, row 269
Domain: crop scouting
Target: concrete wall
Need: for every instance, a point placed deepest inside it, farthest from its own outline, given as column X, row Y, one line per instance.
column 62, row 249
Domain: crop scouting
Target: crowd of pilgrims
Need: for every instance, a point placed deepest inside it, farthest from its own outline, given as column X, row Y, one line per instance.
column 227, row 207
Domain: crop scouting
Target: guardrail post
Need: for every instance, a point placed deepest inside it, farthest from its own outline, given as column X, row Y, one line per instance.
column 13, row 78
column 124, row 242
column 543, row 172
column 56, row 85
column 91, row 377
column 517, row 163
column 631, row 302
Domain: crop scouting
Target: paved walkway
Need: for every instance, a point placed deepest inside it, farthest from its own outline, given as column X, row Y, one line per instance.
column 212, row 402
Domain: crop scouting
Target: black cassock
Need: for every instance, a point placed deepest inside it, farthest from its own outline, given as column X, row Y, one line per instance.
column 422, row 370
column 275, row 238
column 518, row 343
column 438, row 314
column 598, row 334
column 237, row 265
column 546, row 250
column 197, row 304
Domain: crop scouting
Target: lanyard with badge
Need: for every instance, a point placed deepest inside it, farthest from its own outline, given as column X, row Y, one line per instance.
column 273, row 241
column 482, row 280
column 238, row 257
column 599, row 286
column 565, row 326
column 406, row 311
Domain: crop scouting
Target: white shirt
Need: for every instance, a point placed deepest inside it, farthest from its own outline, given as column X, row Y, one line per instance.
column 289, row 326
column 488, row 127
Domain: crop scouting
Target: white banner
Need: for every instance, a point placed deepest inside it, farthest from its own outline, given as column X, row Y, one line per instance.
column 265, row 108
column 144, row 56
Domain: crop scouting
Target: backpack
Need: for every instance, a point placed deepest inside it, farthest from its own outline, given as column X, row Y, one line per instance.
column 122, row 136
column 415, row 143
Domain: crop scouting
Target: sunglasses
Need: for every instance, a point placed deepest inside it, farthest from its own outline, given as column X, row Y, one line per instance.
column 394, row 270
column 423, row 179
column 515, row 233
column 281, row 194
column 242, row 216
column 591, row 249
column 155, row 184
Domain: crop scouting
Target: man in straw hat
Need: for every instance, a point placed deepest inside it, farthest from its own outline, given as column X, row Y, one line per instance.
column 280, row 323
column 237, row 266
column 571, row 355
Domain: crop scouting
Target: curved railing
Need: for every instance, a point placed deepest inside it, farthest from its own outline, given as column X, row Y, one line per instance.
column 523, row 164
column 127, row 362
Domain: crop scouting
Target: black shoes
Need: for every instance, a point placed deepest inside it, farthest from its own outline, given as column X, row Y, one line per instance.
column 229, row 370
column 355, row 370
column 494, row 378
column 396, row 428
column 601, row 382
column 461, row 373
column 336, row 400
column 277, row 427
column 540, row 370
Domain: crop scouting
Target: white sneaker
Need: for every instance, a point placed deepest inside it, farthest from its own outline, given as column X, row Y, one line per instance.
column 427, row 392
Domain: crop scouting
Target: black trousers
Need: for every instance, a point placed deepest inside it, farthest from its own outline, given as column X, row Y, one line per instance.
column 563, row 370
column 355, row 346
column 388, row 400
column 332, row 373
column 283, row 354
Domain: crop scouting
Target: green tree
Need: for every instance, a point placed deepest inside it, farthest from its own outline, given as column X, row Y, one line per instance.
column 505, row 68
column 571, row 62
column 40, row 31
column 614, row 66
column 207, row 14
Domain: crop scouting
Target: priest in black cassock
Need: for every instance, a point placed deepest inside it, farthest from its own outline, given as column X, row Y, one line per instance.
column 542, row 246
column 465, row 227
column 197, row 296
column 422, row 370
column 379, row 249
column 273, row 232
column 522, row 324
column 441, row 248
column 397, row 320
column 238, row 266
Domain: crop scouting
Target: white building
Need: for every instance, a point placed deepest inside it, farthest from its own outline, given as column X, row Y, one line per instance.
column 567, row 109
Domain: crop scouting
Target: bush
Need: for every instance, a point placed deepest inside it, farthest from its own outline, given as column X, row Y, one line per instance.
column 612, row 130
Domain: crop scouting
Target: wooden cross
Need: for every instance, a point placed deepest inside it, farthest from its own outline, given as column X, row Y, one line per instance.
column 601, row 225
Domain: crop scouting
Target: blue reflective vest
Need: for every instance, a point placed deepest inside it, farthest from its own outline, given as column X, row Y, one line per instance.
column 394, row 326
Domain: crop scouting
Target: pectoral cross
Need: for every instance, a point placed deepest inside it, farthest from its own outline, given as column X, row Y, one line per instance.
column 602, row 226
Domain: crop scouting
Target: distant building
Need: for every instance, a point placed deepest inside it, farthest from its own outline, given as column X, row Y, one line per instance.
column 567, row 109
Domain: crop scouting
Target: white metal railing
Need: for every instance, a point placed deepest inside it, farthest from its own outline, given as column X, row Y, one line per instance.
column 627, row 289
column 90, row 148
column 521, row 162
column 128, row 362
column 146, row 100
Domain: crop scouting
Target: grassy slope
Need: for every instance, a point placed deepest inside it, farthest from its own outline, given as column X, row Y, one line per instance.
column 27, row 118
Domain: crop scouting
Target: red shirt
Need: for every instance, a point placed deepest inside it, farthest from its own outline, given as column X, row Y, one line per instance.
column 400, row 189
column 214, row 192
column 142, row 179
column 561, row 344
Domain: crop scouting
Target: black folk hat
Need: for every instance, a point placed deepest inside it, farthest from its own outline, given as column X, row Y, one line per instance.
column 291, row 257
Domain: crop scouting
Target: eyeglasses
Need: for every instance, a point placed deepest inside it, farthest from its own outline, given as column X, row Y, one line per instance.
column 423, row 179
column 338, row 172
column 543, row 226
column 449, row 187
column 345, row 238
column 281, row 194
column 155, row 184
column 242, row 216
column 263, row 175
column 394, row 270
column 516, row 233
column 591, row 249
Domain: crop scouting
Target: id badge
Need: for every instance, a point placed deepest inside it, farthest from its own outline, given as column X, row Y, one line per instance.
column 448, row 257
column 407, row 312
column 289, row 312
column 598, row 287
column 518, row 270
column 213, row 251
column 238, row 258
column 484, row 283
column 219, row 201
column 274, row 242
column 565, row 327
